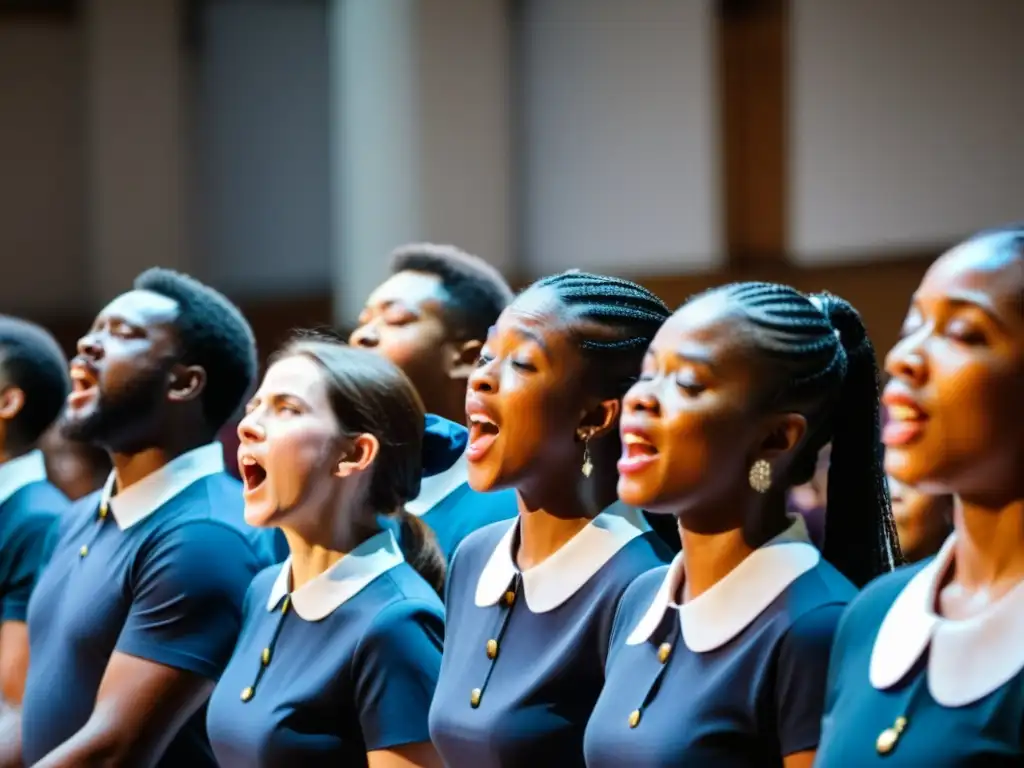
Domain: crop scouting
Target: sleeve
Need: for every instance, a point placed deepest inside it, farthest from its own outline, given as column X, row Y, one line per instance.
column 800, row 678
column 27, row 555
column 188, row 591
column 395, row 673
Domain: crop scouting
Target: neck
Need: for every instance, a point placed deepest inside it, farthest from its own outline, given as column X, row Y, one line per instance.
column 130, row 468
column 989, row 546
column 10, row 454
column 309, row 560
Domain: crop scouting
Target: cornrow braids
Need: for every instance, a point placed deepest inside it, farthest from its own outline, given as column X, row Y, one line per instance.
column 615, row 321
column 827, row 371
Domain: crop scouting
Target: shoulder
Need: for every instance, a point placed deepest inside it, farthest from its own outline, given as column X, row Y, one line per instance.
column 633, row 562
column 638, row 597
column 184, row 551
column 822, row 585
column 32, row 511
column 405, row 608
column 479, row 544
column 42, row 497
column 866, row 611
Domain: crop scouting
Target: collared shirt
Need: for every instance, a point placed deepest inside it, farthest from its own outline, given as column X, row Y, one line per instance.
column 158, row 571
column 896, row 657
column 341, row 666
column 29, row 507
column 524, row 650
column 730, row 678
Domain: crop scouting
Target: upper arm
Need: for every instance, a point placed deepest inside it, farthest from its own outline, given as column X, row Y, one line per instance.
column 27, row 552
column 13, row 660
column 395, row 673
column 422, row 755
column 188, row 593
column 800, row 678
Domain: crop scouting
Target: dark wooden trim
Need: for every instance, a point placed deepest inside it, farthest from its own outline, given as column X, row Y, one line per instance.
column 753, row 49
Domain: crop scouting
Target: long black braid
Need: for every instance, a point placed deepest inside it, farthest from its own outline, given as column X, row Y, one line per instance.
column 826, row 370
column 614, row 322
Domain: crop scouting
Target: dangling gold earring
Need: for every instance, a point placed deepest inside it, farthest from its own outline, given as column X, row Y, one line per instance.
column 761, row 476
column 588, row 465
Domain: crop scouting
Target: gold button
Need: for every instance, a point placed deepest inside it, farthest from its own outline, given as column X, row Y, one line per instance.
column 634, row 718
column 286, row 603
column 247, row 693
column 103, row 511
column 265, row 656
column 887, row 739
column 492, row 649
column 510, row 597
column 83, row 551
column 474, row 697
column 664, row 651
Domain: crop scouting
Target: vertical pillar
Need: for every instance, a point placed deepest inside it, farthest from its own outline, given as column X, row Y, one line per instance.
column 420, row 139
column 134, row 134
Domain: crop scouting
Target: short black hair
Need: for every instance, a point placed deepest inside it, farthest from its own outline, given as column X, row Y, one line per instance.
column 822, row 364
column 615, row 321
column 214, row 335
column 478, row 293
column 32, row 360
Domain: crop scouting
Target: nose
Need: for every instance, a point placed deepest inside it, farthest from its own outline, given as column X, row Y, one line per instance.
column 483, row 378
column 906, row 360
column 89, row 346
column 364, row 336
column 641, row 399
column 249, row 429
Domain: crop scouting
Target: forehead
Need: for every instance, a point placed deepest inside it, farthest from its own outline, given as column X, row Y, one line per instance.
column 295, row 376
column 408, row 287
column 708, row 322
column 144, row 308
column 986, row 267
column 537, row 311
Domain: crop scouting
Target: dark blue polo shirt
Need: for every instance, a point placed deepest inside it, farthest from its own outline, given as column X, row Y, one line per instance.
column 160, row 572
column 525, row 651
column 731, row 679
column 29, row 507
column 907, row 687
column 344, row 665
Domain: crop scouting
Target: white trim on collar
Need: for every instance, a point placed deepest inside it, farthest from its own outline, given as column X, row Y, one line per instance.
column 968, row 659
column 138, row 501
column 437, row 488
column 17, row 473
column 550, row 583
column 320, row 597
column 721, row 613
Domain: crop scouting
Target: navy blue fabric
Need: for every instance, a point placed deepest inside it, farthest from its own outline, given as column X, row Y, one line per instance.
column 988, row 733
column 360, row 679
column 749, row 702
column 443, row 443
column 539, row 690
column 26, row 519
column 169, row 589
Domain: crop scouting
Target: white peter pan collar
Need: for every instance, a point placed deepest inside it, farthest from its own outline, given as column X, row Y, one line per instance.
column 17, row 473
column 139, row 500
column 715, row 617
column 550, row 583
column 320, row 597
column 968, row 659
column 437, row 488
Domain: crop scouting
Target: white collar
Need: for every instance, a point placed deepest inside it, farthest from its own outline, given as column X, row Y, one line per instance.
column 17, row 473
column 140, row 500
column 550, row 583
column 968, row 659
column 436, row 488
column 320, row 597
column 718, row 615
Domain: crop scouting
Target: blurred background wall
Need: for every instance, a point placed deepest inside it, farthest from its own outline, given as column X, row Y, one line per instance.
column 280, row 148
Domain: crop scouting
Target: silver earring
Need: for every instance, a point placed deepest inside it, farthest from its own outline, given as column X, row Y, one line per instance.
column 588, row 465
column 761, row 476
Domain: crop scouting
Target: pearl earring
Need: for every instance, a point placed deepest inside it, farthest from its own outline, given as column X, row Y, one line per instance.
column 761, row 476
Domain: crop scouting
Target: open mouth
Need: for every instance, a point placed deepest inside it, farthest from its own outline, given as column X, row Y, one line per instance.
column 84, row 383
column 637, row 452
column 905, row 423
column 253, row 473
column 483, row 431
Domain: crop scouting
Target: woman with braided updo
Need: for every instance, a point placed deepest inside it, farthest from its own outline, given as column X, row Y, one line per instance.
column 721, row 660
column 531, row 601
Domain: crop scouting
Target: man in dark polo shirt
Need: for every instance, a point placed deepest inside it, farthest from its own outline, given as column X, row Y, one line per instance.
column 33, row 385
column 138, row 610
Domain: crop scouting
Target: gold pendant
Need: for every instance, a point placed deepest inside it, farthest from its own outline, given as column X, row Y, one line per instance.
column 887, row 739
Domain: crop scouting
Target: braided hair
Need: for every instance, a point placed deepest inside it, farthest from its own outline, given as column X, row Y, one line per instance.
column 614, row 321
column 826, row 370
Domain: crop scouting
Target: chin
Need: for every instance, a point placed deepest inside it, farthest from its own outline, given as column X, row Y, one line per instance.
column 260, row 514
column 483, row 479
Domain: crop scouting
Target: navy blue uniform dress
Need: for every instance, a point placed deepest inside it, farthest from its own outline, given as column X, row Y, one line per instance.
column 909, row 688
column 525, row 650
column 29, row 507
column 342, row 666
column 731, row 679
column 158, row 571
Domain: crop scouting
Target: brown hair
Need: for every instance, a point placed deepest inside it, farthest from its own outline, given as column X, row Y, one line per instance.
column 371, row 395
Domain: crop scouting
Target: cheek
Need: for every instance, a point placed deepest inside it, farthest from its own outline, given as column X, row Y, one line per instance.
column 294, row 461
column 410, row 347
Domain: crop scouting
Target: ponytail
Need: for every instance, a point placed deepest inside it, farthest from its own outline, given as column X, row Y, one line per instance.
column 860, row 533
column 420, row 549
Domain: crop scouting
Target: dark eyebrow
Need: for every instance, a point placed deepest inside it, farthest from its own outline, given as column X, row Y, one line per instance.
column 969, row 300
column 530, row 335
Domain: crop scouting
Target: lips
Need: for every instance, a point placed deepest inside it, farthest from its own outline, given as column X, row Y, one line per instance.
column 483, row 430
column 906, row 420
column 84, row 383
column 252, row 472
column 638, row 450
